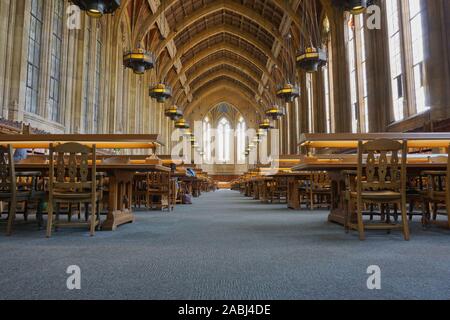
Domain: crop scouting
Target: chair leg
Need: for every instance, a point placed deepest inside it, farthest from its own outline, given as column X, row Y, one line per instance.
column 50, row 219
column 424, row 213
column 348, row 215
column 93, row 217
column 405, row 221
column 39, row 217
column 362, row 235
column 11, row 217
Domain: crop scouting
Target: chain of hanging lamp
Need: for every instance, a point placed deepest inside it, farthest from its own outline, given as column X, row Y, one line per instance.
column 312, row 56
column 161, row 91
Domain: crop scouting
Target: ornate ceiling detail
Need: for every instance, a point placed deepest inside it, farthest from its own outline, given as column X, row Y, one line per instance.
column 202, row 44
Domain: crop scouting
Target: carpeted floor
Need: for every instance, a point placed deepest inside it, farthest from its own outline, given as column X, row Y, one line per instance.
column 225, row 246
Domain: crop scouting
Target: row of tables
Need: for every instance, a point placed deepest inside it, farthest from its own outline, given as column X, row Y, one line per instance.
column 119, row 169
column 335, row 154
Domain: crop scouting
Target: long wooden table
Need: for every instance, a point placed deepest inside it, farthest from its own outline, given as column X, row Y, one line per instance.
column 335, row 171
column 120, row 174
column 120, row 188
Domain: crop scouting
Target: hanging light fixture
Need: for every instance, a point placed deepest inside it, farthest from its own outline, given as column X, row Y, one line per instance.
column 266, row 125
column 139, row 60
column 275, row 112
column 355, row 7
column 312, row 59
column 261, row 133
column 161, row 92
column 182, row 124
column 97, row 8
column 312, row 56
column 173, row 113
column 287, row 90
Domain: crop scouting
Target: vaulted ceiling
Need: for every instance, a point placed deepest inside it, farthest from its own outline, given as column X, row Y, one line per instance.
column 203, row 43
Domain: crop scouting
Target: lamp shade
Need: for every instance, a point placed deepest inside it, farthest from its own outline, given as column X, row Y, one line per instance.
column 312, row 59
column 288, row 92
column 97, row 8
column 139, row 60
column 161, row 92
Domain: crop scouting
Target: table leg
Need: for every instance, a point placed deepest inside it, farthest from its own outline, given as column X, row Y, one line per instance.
column 293, row 194
column 119, row 202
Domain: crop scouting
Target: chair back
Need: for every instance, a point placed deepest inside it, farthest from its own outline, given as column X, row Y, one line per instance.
column 320, row 180
column 69, row 168
column 7, row 171
column 448, row 180
column 385, row 165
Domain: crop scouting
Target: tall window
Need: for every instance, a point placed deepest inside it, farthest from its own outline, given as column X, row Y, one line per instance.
column 241, row 143
column 309, row 88
column 223, row 143
column 86, row 79
column 55, row 72
column 34, row 57
column 327, row 97
column 417, row 43
column 356, row 50
column 98, row 68
column 406, row 51
column 396, row 61
column 207, row 140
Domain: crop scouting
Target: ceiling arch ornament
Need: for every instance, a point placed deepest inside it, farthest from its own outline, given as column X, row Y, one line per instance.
column 235, row 7
column 222, row 47
column 216, row 85
column 233, row 75
column 218, row 79
column 216, row 63
column 146, row 24
column 209, row 33
column 228, row 93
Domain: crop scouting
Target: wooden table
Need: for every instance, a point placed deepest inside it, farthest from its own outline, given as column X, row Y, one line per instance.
column 120, row 193
column 338, row 187
column 120, row 174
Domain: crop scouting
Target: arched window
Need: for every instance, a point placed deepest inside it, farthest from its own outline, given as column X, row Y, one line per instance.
column 54, row 112
column 406, row 52
column 34, row 56
column 223, row 141
column 356, row 48
column 241, row 143
column 328, row 80
column 207, row 140
column 87, row 66
column 98, row 71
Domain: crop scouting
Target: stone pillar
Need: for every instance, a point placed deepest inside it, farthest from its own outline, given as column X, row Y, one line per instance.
column 437, row 58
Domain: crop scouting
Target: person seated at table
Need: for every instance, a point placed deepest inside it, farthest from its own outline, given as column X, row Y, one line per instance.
column 190, row 172
column 20, row 154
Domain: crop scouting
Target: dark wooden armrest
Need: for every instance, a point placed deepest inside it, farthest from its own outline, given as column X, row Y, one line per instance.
column 28, row 174
column 434, row 173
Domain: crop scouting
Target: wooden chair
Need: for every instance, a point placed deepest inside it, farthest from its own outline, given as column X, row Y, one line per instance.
column 381, row 180
column 71, row 183
column 278, row 189
column 140, row 190
column 318, row 191
column 14, row 193
column 159, row 190
column 436, row 196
